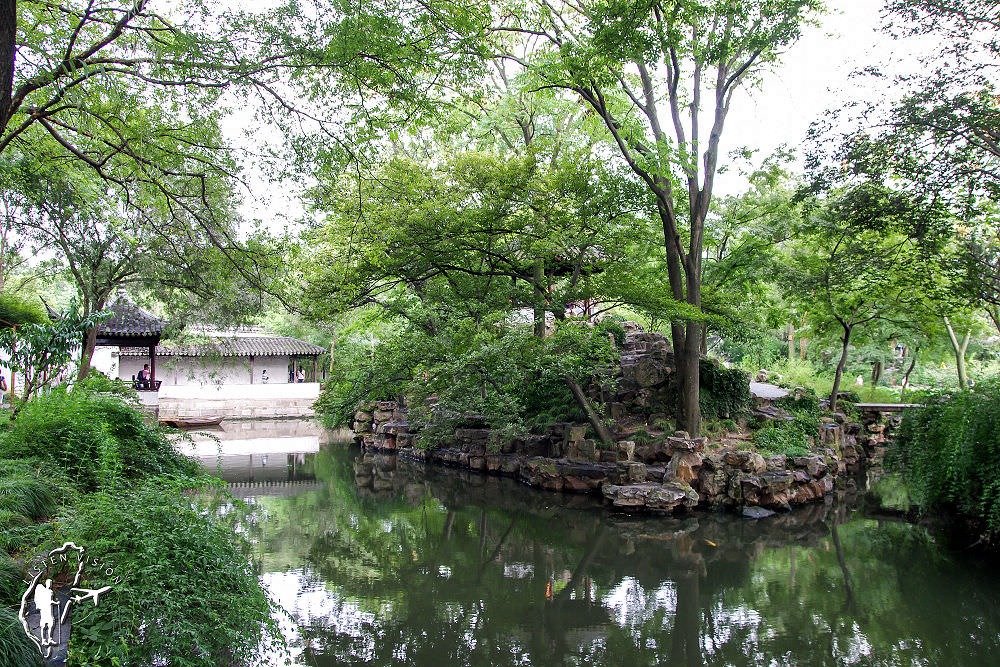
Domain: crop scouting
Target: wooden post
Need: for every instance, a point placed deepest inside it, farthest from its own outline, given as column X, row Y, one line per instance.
column 315, row 368
column 152, row 365
column 251, row 369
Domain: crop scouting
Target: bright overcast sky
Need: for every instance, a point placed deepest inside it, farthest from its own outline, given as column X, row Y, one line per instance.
column 813, row 77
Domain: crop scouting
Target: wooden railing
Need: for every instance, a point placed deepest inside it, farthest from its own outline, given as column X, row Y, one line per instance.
column 139, row 385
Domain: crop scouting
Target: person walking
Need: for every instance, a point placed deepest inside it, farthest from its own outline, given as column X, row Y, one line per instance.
column 300, row 375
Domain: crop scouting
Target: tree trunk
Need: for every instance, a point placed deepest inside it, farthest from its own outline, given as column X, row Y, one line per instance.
column 87, row 354
column 906, row 377
column 959, row 350
column 595, row 419
column 791, row 341
column 876, row 373
column 8, row 52
column 803, row 346
column 840, row 368
column 691, row 388
column 684, row 336
column 994, row 313
column 539, row 310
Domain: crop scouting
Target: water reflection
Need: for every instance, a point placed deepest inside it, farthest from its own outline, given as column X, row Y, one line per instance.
column 249, row 453
column 390, row 562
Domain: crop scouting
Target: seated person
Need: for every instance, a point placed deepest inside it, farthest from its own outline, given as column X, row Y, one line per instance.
column 142, row 382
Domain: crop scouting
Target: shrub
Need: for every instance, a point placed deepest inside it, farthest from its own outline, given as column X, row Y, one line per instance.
column 774, row 439
column 612, row 325
column 949, row 453
column 725, row 392
column 642, row 437
column 790, row 438
column 96, row 439
column 188, row 593
column 850, row 396
column 715, row 428
column 805, row 410
column 98, row 382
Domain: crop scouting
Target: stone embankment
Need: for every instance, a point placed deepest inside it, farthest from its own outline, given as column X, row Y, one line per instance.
column 672, row 473
column 661, row 474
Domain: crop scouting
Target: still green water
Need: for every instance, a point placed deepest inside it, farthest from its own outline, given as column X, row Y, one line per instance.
column 418, row 565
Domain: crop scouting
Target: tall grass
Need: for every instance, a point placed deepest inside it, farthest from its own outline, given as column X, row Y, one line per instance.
column 16, row 650
column 12, row 576
column 28, row 497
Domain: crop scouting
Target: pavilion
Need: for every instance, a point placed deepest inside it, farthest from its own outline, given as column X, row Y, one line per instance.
column 132, row 327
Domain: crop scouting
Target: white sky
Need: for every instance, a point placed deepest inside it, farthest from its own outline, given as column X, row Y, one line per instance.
column 813, row 77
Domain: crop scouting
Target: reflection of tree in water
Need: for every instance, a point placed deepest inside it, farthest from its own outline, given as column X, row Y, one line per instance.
column 435, row 566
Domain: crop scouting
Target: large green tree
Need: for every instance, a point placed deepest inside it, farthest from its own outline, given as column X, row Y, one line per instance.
column 868, row 254
column 104, row 246
column 462, row 250
column 137, row 93
column 661, row 79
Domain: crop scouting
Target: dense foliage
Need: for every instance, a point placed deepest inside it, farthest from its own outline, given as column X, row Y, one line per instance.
column 99, row 440
column 189, row 594
column 112, row 482
column 949, row 453
column 15, row 311
column 725, row 392
column 502, row 374
column 41, row 352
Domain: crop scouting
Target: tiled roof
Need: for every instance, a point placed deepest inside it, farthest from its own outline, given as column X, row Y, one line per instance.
column 257, row 346
column 128, row 319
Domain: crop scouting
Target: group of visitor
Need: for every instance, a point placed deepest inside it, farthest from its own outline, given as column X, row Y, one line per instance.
column 293, row 376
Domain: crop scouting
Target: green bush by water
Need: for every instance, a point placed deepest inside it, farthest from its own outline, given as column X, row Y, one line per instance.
column 189, row 594
column 949, row 453
column 96, row 439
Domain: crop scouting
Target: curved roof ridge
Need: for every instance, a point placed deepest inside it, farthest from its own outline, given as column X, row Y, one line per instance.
column 130, row 319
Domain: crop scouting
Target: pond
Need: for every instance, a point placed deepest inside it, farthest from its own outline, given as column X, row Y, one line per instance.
column 383, row 561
